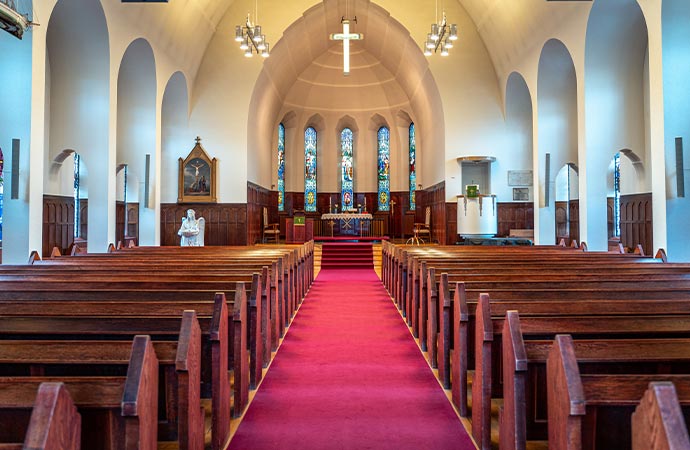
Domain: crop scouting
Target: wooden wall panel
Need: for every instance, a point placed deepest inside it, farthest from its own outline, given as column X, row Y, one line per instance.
column 435, row 198
column 58, row 223
column 399, row 219
column 636, row 221
column 258, row 198
column 514, row 215
column 226, row 223
column 132, row 221
column 562, row 223
column 574, row 218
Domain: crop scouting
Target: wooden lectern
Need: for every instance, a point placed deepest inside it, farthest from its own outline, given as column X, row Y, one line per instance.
column 298, row 229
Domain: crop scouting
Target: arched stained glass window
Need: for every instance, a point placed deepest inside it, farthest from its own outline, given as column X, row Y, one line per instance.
column 281, row 167
column 384, row 138
column 347, row 175
column 77, row 197
column 310, row 169
column 413, row 170
column 616, row 194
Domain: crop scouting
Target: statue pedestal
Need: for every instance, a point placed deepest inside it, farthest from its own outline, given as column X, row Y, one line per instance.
column 477, row 216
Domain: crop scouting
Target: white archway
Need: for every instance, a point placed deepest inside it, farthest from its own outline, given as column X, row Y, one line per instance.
column 616, row 67
column 136, row 131
column 557, row 128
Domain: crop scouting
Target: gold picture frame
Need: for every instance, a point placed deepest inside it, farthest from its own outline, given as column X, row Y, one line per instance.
column 197, row 177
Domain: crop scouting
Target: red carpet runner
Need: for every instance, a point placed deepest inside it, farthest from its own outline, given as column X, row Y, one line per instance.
column 349, row 376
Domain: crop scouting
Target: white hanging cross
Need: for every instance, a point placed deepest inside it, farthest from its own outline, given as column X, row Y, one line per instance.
column 346, row 37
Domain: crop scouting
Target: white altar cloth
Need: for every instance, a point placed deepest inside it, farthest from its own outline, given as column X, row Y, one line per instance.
column 338, row 216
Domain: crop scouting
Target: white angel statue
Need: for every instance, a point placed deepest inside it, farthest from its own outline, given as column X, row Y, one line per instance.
column 192, row 230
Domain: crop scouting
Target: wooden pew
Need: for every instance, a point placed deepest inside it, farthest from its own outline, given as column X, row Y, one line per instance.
column 574, row 398
column 489, row 330
column 180, row 362
column 130, row 402
column 658, row 423
column 214, row 328
column 55, row 423
column 524, row 368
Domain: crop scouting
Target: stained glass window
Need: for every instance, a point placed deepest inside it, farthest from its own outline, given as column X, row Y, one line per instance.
column 310, row 169
column 77, row 212
column 347, row 176
column 1, row 188
column 617, row 194
column 281, row 167
column 384, row 168
column 413, row 170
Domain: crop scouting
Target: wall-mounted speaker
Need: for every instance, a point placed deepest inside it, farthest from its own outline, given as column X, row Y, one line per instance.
column 547, row 179
column 14, row 188
column 147, row 180
column 680, row 175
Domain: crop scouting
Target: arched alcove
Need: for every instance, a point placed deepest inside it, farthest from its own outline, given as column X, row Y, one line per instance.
column 176, row 139
column 676, row 68
column 78, row 94
column 616, row 106
column 518, row 135
column 136, row 129
column 557, row 128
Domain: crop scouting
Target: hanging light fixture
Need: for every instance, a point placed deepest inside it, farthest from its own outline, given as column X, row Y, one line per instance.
column 441, row 36
column 251, row 38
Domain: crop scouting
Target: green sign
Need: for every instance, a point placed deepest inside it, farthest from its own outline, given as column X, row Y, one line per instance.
column 472, row 190
column 299, row 220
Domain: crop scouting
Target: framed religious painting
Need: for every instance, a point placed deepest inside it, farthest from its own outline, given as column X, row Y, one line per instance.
column 197, row 177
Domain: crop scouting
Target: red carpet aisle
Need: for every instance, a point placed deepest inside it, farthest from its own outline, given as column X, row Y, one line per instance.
column 349, row 376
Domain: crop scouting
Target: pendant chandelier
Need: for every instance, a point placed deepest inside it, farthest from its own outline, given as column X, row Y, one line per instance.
column 250, row 36
column 441, row 37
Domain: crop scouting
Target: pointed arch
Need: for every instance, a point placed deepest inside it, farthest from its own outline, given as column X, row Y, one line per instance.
column 347, row 172
column 383, row 169
column 310, row 155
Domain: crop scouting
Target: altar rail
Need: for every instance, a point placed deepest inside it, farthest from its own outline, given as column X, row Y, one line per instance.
column 375, row 227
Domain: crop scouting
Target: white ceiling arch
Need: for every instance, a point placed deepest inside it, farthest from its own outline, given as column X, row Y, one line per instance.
column 387, row 40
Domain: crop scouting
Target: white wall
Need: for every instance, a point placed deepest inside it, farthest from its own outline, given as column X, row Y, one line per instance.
column 676, row 46
column 614, row 93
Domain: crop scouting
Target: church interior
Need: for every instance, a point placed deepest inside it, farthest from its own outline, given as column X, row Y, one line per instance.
column 306, row 140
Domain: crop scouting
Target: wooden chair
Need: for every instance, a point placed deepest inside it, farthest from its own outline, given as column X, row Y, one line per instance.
column 422, row 229
column 271, row 230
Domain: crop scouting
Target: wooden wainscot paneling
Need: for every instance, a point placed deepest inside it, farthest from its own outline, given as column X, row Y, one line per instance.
column 574, row 218
column 434, row 197
column 257, row 198
column 514, row 216
column 58, row 223
column 132, row 222
column 636, row 221
column 226, row 223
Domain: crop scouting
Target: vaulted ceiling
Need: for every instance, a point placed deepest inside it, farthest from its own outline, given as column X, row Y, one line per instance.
column 185, row 27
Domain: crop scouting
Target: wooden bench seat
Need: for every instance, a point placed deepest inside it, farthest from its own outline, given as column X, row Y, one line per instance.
column 55, row 422
column 179, row 363
column 214, row 360
column 129, row 404
column 577, row 401
column 523, row 414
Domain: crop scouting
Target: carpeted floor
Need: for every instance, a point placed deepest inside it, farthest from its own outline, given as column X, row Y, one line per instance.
column 349, row 376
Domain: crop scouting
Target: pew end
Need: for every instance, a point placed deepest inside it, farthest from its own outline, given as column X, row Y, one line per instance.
column 565, row 396
column 34, row 256
column 658, row 423
column 661, row 254
column 55, row 423
column 140, row 396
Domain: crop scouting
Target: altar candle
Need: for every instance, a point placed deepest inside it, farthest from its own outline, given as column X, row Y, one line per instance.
column 365, row 203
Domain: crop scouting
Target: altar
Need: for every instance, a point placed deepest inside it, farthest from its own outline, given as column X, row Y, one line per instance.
column 349, row 224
